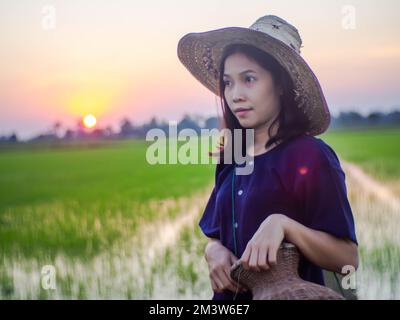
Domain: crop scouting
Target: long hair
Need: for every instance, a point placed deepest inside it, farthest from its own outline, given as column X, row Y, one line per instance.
column 291, row 120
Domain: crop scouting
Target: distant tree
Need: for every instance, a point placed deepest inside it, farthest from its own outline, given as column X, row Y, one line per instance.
column 375, row 117
column 97, row 133
column 355, row 117
column 199, row 119
column 350, row 119
column 211, row 123
column 108, row 131
column 13, row 138
column 56, row 128
column 393, row 117
column 126, row 127
column 153, row 123
column 188, row 123
column 48, row 137
column 69, row 134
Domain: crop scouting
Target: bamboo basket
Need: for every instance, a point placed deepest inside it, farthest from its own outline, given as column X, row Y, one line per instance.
column 282, row 281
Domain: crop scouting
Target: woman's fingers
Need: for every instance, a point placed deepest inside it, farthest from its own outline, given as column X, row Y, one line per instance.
column 233, row 258
column 220, row 281
column 215, row 286
column 259, row 258
column 272, row 256
column 249, row 258
column 246, row 257
column 262, row 259
column 253, row 261
column 228, row 283
column 218, row 284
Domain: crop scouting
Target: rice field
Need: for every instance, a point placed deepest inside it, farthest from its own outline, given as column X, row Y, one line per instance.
column 376, row 151
column 80, row 201
column 115, row 227
column 161, row 260
column 375, row 201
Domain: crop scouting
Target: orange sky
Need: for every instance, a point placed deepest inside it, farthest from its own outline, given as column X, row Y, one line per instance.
column 118, row 58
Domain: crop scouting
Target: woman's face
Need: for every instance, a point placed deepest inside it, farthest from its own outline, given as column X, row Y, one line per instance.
column 250, row 91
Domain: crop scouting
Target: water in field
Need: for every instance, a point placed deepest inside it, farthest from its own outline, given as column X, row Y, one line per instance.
column 163, row 260
column 377, row 214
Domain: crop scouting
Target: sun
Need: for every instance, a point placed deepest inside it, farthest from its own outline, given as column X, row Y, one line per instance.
column 89, row 121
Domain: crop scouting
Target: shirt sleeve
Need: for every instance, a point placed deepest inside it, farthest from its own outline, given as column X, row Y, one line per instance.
column 209, row 222
column 319, row 186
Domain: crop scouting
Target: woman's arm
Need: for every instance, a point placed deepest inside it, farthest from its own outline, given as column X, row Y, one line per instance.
column 321, row 248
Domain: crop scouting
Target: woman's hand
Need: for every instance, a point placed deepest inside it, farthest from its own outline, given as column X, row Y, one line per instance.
column 261, row 250
column 220, row 259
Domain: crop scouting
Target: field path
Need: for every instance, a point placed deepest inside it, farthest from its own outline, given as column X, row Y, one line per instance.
column 161, row 234
column 371, row 186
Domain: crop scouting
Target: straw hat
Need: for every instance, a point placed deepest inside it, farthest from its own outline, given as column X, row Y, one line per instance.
column 201, row 52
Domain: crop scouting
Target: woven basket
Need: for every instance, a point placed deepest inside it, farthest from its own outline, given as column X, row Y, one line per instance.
column 282, row 281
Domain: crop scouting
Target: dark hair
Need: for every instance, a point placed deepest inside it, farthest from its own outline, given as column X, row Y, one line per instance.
column 292, row 121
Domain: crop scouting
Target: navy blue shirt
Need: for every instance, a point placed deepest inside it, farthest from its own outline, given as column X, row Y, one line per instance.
column 301, row 178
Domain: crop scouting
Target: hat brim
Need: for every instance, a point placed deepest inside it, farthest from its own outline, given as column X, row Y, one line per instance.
column 201, row 53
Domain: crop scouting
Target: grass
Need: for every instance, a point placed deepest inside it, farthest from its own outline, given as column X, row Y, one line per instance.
column 79, row 201
column 377, row 151
column 107, row 176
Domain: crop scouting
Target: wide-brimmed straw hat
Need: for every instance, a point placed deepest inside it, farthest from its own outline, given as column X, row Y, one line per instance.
column 201, row 53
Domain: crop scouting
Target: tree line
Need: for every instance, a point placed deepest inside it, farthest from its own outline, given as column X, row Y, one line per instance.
column 127, row 129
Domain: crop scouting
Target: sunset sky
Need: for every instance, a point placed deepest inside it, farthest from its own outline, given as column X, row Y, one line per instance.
column 118, row 58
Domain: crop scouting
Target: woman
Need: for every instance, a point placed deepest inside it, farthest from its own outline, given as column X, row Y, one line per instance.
column 296, row 191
